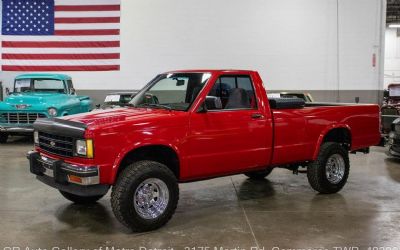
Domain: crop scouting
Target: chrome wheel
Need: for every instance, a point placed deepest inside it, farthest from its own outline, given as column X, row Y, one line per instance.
column 335, row 168
column 151, row 198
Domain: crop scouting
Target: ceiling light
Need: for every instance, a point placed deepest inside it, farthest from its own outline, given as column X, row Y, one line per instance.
column 394, row 25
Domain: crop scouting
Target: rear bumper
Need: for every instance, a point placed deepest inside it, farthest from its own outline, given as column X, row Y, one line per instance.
column 78, row 180
column 16, row 129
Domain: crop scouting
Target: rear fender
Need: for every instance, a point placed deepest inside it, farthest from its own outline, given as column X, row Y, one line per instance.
column 324, row 133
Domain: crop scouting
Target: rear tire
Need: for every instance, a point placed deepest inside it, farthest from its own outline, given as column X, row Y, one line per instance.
column 145, row 196
column 328, row 174
column 3, row 137
column 259, row 175
column 81, row 199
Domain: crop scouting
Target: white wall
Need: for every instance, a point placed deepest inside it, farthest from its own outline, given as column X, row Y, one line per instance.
column 293, row 43
column 392, row 57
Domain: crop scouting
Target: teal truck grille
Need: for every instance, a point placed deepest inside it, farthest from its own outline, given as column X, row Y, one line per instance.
column 21, row 118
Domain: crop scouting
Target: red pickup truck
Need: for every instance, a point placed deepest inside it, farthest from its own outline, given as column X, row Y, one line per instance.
column 193, row 125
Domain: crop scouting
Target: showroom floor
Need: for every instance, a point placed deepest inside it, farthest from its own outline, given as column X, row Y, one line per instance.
column 226, row 212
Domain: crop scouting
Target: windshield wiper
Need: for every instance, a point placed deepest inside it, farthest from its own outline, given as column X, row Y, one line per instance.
column 154, row 105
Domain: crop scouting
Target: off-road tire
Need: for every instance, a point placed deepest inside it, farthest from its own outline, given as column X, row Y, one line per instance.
column 81, row 199
column 316, row 171
column 259, row 175
column 122, row 195
column 3, row 137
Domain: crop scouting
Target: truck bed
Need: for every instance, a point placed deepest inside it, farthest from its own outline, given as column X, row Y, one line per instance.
column 298, row 131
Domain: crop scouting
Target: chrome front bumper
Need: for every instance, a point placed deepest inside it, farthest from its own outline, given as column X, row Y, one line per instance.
column 26, row 129
column 79, row 180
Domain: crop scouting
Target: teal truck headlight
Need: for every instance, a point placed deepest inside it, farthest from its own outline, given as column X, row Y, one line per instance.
column 52, row 112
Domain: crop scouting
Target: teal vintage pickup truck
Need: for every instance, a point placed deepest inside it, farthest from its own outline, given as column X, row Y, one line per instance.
column 39, row 96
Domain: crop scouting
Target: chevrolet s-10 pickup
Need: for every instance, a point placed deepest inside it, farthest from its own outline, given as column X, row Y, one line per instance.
column 200, row 124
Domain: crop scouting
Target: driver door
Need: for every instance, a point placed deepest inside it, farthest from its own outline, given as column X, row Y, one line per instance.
column 233, row 135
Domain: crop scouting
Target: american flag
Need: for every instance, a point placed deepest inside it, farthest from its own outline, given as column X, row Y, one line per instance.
column 60, row 35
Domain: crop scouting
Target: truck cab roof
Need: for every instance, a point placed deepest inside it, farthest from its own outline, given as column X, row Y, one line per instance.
column 218, row 71
column 44, row 76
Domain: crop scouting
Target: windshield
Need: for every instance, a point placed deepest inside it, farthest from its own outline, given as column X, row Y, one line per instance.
column 39, row 85
column 175, row 91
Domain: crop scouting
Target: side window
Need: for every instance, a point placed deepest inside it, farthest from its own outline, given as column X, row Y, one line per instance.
column 232, row 92
column 69, row 84
column 244, row 82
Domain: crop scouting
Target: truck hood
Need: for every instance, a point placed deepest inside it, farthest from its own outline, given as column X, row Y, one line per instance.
column 109, row 117
column 36, row 98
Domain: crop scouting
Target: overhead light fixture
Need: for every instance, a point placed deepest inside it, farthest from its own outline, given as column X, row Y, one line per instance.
column 394, row 25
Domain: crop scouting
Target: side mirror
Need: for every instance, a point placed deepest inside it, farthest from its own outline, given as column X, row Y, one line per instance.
column 213, row 102
column 180, row 82
column 72, row 91
column 202, row 108
column 8, row 91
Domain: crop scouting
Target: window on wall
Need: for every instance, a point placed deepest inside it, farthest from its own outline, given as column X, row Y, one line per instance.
column 232, row 92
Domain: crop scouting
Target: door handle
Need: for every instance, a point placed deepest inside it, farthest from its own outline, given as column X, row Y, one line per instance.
column 257, row 116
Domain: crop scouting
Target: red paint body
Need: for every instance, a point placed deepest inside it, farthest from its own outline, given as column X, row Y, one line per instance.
column 226, row 142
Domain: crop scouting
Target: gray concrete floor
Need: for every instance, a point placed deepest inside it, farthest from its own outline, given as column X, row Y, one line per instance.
column 229, row 212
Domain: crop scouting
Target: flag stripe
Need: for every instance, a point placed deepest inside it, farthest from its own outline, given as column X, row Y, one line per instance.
column 60, row 51
column 86, row 26
column 60, row 56
column 61, row 38
column 87, row 2
column 87, row 14
column 86, row 32
column 59, row 62
column 23, row 44
column 87, row 7
column 61, row 68
column 87, row 20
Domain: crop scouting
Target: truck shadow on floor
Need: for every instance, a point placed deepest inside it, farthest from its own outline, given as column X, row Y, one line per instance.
column 95, row 218
column 255, row 189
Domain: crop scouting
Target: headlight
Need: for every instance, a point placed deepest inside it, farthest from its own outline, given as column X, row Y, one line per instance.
column 84, row 148
column 52, row 112
column 36, row 137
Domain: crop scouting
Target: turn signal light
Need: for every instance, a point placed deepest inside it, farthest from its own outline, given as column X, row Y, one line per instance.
column 75, row 179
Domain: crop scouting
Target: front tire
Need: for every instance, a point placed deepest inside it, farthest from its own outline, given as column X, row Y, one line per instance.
column 145, row 196
column 328, row 174
column 3, row 137
column 81, row 199
column 259, row 175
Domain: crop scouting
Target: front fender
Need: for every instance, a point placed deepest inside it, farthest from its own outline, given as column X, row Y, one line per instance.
column 125, row 151
column 86, row 105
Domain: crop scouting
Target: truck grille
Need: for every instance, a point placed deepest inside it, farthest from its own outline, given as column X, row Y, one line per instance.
column 56, row 144
column 23, row 118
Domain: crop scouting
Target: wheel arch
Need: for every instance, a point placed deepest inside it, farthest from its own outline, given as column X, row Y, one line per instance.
column 338, row 133
column 161, row 153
